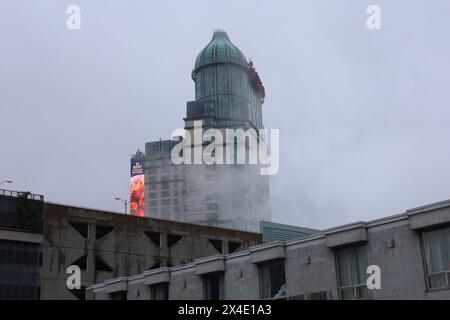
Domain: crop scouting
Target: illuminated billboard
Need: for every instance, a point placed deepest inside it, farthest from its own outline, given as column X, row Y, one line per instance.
column 137, row 187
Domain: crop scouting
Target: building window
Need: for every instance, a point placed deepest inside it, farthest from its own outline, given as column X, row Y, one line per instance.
column 165, row 211
column 19, row 270
column 153, row 212
column 436, row 256
column 153, row 195
column 213, row 286
column 212, row 216
column 165, row 202
column 272, row 280
column 119, row 295
column 165, row 169
column 159, row 291
column 351, row 268
column 165, row 194
column 165, row 148
column 165, row 185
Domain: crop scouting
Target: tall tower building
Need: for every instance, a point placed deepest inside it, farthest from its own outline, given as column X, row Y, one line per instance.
column 228, row 90
column 228, row 95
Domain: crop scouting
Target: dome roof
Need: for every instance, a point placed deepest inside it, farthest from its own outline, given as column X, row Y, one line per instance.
column 220, row 49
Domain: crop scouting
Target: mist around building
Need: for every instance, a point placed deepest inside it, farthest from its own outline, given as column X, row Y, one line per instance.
column 201, row 228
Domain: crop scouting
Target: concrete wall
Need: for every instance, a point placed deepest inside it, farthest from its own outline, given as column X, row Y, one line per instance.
column 396, row 249
column 310, row 267
column 241, row 278
column 185, row 284
column 127, row 250
column 392, row 243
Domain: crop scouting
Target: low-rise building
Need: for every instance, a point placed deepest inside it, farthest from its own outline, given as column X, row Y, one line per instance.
column 406, row 256
column 40, row 240
column 108, row 245
column 21, row 238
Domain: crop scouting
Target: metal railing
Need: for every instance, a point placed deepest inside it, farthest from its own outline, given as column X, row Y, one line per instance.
column 16, row 194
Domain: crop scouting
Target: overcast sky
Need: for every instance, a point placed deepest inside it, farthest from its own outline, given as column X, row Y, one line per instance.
column 363, row 115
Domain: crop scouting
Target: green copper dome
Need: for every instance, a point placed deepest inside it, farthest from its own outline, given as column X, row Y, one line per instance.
column 228, row 90
column 220, row 50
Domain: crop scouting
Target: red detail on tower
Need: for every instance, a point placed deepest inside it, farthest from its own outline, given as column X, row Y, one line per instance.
column 256, row 80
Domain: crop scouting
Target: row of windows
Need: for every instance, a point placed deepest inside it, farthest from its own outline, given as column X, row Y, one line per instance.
column 18, row 253
column 178, row 176
column 229, row 109
column 211, row 196
column 166, row 185
column 158, row 291
column 351, row 268
column 19, row 292
column 232, row 90
column 11, row 214
column 163, row 202
column 225, row 79
column 211, row 206
column 352, row 264
column 165, row 169
column 166, row 194
column 19, row 270
column 167, row 211
column 160, row 149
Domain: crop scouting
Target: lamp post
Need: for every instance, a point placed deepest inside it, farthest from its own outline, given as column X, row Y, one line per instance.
column 5, row 181
column 125, row 203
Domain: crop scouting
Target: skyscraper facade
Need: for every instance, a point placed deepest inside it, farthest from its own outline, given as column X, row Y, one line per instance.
column 228, row 95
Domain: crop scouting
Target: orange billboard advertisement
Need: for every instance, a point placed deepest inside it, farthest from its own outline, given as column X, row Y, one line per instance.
column 137, row 188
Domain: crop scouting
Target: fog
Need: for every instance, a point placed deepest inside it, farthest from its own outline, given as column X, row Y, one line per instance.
column 363, row 115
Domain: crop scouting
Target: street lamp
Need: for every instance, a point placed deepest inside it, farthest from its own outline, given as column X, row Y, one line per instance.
column 125, row 203
column 6, row 181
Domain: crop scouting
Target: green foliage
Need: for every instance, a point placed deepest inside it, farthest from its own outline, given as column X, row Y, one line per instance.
column 29, row 212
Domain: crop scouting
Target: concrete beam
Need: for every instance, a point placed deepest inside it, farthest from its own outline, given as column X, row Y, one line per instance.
column 116, row 285
column 12, row 235
column 346, row 235
column 268, row 252
column 209, row 265
column 156, row 276
column 428, row 217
